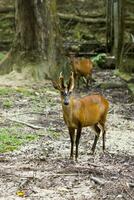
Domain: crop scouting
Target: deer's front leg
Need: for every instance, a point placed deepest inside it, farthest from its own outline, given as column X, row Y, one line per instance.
column 72, row 134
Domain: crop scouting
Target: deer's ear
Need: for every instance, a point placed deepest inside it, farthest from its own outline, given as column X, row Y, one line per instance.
column 71, row 82
column 61, row 81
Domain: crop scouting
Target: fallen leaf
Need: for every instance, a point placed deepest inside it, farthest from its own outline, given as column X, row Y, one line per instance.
column 20, row 193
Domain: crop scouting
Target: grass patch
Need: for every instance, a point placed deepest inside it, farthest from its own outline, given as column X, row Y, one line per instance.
column 7, row 103
column 9, row 90
column 11, row 139
column 24, row 91
column 54, row 134
column 6, row 91
column 131, row 88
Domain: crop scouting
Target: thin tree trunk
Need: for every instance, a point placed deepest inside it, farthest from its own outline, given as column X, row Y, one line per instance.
column 110, row 28
column 118, row 31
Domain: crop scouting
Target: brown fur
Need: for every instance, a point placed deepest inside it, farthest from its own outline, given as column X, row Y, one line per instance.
column 82, row 67
column 85, row 111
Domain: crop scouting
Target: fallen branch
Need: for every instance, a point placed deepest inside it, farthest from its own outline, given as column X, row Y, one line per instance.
column 34, row 113
column 7, row 10
column 29, row 113
column 81, row 19
column 27, row 124
column 7, row 18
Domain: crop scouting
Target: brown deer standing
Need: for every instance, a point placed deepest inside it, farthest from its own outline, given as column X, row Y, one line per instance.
column 90, row 110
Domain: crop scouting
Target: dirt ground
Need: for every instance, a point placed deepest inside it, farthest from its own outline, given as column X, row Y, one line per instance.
column 41, row 170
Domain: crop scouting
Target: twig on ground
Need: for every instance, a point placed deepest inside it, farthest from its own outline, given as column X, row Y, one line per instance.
column 29, row 113
column 97, row 180
column 27, row 124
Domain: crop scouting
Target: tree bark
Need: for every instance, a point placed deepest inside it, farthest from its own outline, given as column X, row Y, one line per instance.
column 34, row 48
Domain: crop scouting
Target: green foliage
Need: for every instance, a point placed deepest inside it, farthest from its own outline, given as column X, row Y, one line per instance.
column 77, row 33
column 11, row 139
column 80, row 34
column 9, row 90
column 127, row 65
column 6, row 91
column 54, row 133
column 99, row 59
column 131, row 88
column 7, row 103
column 2, row 55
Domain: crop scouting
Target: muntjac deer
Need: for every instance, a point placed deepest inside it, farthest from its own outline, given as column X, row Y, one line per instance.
column 81, row 67
column 90, row 110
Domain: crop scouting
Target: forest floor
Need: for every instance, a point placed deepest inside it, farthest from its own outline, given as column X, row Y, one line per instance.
column 39, row 169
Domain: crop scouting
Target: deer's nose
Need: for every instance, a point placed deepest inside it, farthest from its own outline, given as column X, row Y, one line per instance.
column 66, row 100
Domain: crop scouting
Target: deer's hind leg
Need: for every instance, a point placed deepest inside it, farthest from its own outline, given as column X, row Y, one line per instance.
column 97, row 134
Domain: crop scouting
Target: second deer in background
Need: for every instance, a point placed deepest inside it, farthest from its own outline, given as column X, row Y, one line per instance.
column 81, row 67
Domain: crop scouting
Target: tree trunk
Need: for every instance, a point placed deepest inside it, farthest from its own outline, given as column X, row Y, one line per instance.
column 34, row 49
column 118, row 31
column 110, row 27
